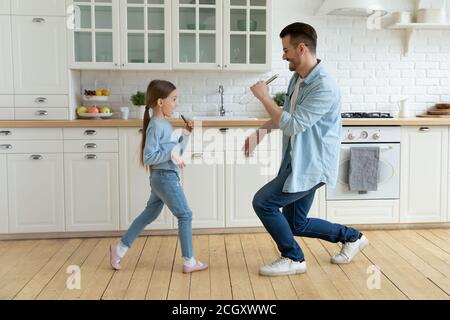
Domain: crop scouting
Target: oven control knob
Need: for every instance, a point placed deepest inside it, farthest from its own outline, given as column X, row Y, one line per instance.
column 351, row 136
column 364, row 135
column 377, row 136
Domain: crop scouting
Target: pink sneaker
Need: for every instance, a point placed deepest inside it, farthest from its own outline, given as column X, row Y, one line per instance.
column 199, row 266
column 114, row 257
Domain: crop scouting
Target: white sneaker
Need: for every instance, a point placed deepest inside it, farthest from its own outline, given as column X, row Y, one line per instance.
column 350, row 250
column 283, row 266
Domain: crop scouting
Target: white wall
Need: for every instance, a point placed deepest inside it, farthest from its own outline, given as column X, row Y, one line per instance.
column 368, row 64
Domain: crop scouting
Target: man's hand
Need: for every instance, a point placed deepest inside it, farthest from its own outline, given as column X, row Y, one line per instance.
column 260, row 90
column 252, row 142
column 178, row 160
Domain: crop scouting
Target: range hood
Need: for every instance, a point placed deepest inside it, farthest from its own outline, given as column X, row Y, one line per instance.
column 352, row 8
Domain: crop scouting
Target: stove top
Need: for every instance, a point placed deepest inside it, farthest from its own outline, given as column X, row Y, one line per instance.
column 366, row 115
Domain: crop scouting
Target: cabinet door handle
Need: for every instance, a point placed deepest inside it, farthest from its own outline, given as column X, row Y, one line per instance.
column 223, row 130
column 38, row 20
column 42, row 113
column 90, row 145
column 6, row 146
column 424, row 129
column 197, row 156
column 5, row 133
column 40, row 100
column 36, row 157
column 90, row 132
column 91, row 157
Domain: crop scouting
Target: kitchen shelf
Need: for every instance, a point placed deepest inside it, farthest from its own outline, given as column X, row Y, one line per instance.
column 411, row 29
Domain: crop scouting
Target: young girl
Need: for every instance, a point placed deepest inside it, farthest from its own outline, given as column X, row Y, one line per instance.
column 161, row 151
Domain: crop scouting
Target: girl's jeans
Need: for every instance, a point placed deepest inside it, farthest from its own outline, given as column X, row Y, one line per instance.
column 166, row 189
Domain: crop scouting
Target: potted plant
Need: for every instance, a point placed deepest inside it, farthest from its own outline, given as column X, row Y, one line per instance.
column 279, row 98
column 138, row 100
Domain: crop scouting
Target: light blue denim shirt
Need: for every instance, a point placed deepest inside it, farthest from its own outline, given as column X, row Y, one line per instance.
column 315, row 130
column 161, row 140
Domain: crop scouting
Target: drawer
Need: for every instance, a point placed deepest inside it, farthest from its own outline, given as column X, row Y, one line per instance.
column 42, row 114
column 91, row 133
column 231, row 139
column 42, row 101
column 235, row 139
column 6, row 101
column 31, row 147
column 91, row 146
column 6, row 113
column 30, row 134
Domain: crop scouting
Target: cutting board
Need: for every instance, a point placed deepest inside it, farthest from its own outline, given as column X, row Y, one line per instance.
column 433, row 116
column 441, row 112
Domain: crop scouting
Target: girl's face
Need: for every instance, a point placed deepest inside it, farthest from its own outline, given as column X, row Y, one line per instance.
column 168, row 104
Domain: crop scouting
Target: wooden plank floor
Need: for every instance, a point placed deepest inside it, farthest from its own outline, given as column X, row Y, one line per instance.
column 405, row 264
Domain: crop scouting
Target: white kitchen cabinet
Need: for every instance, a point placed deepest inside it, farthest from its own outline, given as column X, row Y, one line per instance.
column 3, row 194
column 92, row 191
column 94, row 35
column 35, row 192
column 197, row 39
column 222, row 34
column 38, row 7
column 40, row 55
column 145, row 28
column 247, row 35
column 6, row 65
column 204, row 185
column 424, row 174
column 134, row 182
column 245, row 176
column 5, row 7
column 363, row 211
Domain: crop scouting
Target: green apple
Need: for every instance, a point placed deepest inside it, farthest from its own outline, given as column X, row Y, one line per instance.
column 82, row 109
column 105, row 110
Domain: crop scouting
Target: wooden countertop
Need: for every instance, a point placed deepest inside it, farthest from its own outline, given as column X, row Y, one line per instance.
column 179, row 123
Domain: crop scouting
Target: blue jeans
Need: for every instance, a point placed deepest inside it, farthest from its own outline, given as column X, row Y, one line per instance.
column 166, row 189
column 293, row 220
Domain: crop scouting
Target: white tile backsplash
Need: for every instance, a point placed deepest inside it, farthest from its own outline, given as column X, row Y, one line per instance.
column 368, row 64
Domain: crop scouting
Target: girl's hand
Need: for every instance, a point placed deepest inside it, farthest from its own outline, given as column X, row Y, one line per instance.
column 178, row 160
column 189, row 127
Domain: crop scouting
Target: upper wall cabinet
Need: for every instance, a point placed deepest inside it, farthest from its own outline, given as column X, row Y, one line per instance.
column 6, row 70
column 39, row 55
column 140, row 34
column 5, row 7
column 145, row 34
column 222, row 34
column 197, row 37
column 247, row 34
column 94, row 34
column 38, row 7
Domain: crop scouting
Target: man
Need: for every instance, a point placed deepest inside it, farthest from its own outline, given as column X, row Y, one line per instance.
column 311, row 124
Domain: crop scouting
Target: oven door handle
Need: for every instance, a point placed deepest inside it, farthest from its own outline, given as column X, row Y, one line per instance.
column 385, row 148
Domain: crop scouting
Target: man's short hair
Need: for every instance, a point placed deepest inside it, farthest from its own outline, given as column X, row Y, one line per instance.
column 301, row 32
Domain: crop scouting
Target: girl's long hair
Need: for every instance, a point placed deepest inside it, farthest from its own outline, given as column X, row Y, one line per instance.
column 157, row 89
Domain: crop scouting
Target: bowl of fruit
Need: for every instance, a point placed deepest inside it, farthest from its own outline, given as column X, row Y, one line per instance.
column 94, row 112
column 96, row 95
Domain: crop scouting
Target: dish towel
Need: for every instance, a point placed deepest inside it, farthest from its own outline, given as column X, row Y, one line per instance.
column 363, row 171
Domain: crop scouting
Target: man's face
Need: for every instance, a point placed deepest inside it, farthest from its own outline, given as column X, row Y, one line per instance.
column 291, row 54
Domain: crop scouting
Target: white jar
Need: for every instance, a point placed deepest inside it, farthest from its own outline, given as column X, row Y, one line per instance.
column 402, row 17
column 431, row 16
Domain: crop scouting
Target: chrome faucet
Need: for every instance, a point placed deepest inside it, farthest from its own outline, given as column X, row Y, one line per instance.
column 222, row 109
